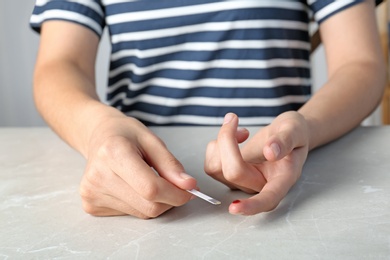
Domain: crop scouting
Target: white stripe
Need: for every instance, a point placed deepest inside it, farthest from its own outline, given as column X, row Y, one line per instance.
column 217, row 83
column 91, row 4
column 197, row 65
column 41, row 2
column 208, row 27
column 330, row 8
column 211, row 46
column 200, row 9
column 110, row 2
column 209, row 102
column 55, row 14
column 200, row 120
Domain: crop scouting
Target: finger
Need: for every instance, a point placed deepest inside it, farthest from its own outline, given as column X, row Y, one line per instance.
column 234, row 168
column 117, row 198
column 111, row 206
column 212, row 162
column 106, row 211
column 290, row 135
column 274, row 147
column 242, row 135
column 213, row 166
column 286, row 133
column 267, row 200
column 153, row 188
column 131, row 168
column 252, row 151
column 166, row 165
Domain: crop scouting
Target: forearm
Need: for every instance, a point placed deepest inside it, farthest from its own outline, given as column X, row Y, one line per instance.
column 66, row 98
column 350, row 95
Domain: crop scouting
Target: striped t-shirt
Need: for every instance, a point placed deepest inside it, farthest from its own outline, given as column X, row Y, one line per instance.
column 179, row 62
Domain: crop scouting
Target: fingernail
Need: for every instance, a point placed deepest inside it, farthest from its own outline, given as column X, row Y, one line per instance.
column 242, row 129
column 228, row 118
column 275, row 149
column 185, row 176
column 236, row 201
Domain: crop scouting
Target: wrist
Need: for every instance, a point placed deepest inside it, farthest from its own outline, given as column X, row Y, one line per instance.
column 312, row 129
column 96, row 124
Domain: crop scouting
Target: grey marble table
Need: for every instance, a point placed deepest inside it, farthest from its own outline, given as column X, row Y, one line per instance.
column 340, row 208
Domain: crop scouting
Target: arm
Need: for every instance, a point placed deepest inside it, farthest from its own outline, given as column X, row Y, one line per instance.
column 271, row 161
column 120, row 151
column 356, row 74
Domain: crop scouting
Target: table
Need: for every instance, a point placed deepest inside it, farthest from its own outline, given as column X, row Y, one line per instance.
column 339, row 209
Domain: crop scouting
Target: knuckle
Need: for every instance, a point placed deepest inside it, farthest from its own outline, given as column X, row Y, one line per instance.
column 212, row 163
column 91, row 209
column 212, row 167
column 234, row 175
column 90, row 199
column 109, row 148
column 150, row 192
column 223, row 135
column 93, row 180
column 87, row 193
column 153, row 211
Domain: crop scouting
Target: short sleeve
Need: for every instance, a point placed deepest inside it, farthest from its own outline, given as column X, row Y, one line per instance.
column 88, row 13
column 323, row 9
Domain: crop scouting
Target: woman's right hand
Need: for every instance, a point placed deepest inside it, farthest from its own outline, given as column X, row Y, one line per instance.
column 131, row 172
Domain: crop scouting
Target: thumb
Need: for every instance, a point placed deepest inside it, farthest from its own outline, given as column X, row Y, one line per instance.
column 281, row 144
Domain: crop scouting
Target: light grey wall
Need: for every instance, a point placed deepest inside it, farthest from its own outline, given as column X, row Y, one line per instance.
column 18, row 47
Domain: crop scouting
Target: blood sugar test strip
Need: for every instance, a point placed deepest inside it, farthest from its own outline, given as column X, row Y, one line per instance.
column 204, row 196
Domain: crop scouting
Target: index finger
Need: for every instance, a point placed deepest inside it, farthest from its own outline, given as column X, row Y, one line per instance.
column 268, row 199
column 131, row 167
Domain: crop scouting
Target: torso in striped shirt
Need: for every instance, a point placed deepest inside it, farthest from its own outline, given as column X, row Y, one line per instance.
column 192, row 61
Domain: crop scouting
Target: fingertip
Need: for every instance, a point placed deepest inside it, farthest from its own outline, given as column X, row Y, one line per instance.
column 228, row 118
column 236, row 208
column 242, row 134
column 187, row 182
column 252, row 206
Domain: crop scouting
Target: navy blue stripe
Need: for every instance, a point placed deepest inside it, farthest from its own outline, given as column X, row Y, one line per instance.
column 69, row 6
column 144, row 5
column 214, row 36
column 212, row 92
column 222, row 16
column 230, row 54
column 216, row 73
column 318, row 5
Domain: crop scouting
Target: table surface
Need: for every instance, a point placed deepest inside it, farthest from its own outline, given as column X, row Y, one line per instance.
column 339, row 209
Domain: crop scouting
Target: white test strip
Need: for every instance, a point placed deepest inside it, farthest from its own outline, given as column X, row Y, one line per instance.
column 204, row 196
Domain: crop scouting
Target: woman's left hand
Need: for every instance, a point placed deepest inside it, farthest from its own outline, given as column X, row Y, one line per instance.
column 269, row 164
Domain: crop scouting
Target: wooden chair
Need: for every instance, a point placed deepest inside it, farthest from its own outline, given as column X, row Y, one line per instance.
column 383, row 25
